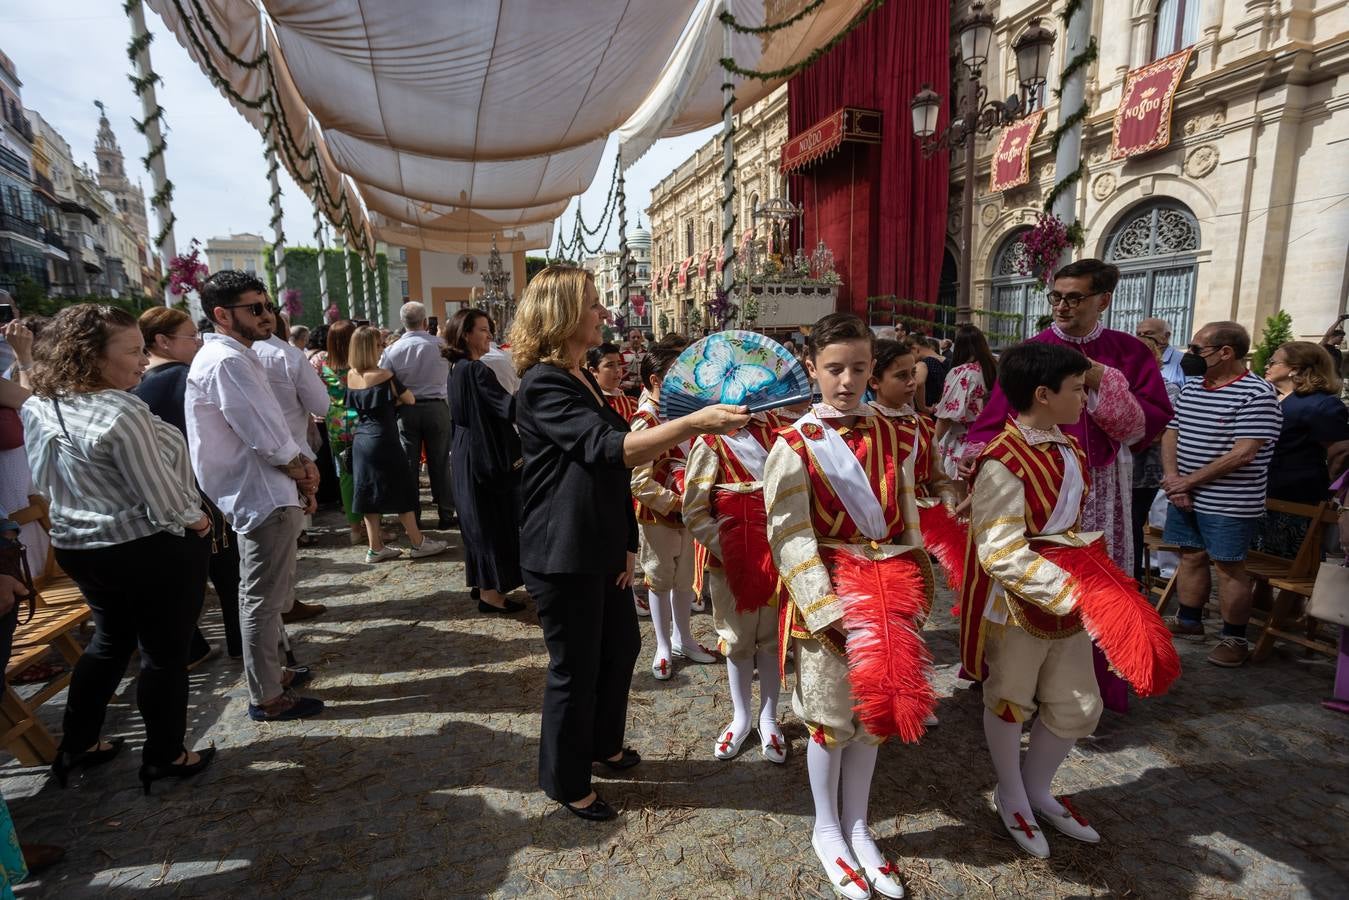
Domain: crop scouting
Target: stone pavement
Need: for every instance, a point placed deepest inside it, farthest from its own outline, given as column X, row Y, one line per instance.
column 420, row 779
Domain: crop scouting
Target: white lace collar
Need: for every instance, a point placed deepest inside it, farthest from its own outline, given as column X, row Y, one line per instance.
column 1071, row 339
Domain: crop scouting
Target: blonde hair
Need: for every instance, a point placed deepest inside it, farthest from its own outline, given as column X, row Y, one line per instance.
column 366, row 346
column 549, row 313
column 1311, row 368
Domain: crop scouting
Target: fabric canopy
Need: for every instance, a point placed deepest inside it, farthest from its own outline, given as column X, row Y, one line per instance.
column 435, row 124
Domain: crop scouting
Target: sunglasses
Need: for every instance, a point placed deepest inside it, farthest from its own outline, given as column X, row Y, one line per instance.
column 1199, row 351
column 254, row 308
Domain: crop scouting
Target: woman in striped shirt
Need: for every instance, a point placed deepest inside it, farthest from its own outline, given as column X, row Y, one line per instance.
column 127, row 526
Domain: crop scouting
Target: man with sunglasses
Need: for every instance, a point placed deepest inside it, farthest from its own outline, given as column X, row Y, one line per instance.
column 250, row 465
column 1127, row 407
column 1215, row 460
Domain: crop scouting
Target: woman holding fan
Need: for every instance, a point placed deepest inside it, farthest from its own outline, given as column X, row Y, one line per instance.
column 578, row 538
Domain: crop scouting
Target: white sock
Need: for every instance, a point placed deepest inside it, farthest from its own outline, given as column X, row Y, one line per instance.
column 1046, row 753
column 740, row 675
column 823, row 763
column 660, row 621
column 1004, row 746
column 683, row 610
column 859, row 762
column 770, row 686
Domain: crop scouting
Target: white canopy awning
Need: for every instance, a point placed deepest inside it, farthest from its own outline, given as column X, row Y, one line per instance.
column 434, row 124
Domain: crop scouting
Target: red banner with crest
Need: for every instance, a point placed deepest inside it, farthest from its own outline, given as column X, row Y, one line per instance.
column 1011, row 156
column 1143, row 119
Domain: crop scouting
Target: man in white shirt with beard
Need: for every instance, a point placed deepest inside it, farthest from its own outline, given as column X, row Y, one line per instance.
column 249, row 464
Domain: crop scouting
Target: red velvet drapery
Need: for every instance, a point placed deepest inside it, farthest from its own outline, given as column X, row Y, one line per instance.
column 880, row 208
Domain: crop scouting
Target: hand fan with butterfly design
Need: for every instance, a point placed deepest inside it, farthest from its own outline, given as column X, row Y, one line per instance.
column 743, row 368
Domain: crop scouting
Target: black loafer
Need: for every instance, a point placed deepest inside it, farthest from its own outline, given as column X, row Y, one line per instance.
column 629, row 759
column 599, row 811
column 510, row 607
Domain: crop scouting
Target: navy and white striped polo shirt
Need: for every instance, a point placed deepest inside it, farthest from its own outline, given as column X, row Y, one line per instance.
column 1210, row 421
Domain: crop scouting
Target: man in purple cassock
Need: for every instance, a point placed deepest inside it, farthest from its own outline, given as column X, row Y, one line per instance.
column 1127, row 407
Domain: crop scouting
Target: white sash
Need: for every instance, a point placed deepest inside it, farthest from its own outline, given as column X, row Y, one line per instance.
column 746, row 448
column 1069, row 504
column 847, row 477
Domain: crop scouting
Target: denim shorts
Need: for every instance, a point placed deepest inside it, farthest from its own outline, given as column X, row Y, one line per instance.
column 1224, row 538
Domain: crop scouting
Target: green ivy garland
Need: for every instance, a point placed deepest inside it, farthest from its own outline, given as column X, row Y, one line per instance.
column 789, row 71
column 164, row 196
column 1077, row 117
column 728, row 19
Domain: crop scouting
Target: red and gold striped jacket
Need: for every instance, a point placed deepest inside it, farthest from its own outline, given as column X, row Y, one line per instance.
column 1040, row 469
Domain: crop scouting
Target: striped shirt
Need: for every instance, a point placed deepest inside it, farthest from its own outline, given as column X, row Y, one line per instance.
column 115, row 473
column 1209, row 422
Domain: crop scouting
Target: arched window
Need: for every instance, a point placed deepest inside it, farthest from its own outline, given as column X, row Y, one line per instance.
column 1154, row 246
column 1012, row 294
column 1175, row 27
column 688, row 238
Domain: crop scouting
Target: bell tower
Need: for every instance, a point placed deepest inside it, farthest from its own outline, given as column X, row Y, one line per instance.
column 129, row 198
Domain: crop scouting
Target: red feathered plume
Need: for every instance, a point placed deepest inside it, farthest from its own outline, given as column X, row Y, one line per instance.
column 742, row 529
column 1125, row 626
column 944, row 537
column 888, row 664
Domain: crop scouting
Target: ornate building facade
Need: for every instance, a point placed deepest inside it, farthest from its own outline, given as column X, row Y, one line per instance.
column 1243, row 214
column 685, row 210
column 609, row 280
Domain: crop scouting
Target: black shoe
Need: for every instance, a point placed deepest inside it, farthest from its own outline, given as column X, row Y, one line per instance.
column 629, row 759
column 475, row 594
column 510, row 607
column 150, row 774
column 599, row 811
column 447, row 522
column 300, row 708
column 65, row 763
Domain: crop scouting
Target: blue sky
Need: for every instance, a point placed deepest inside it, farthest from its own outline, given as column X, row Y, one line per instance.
column 72, row 53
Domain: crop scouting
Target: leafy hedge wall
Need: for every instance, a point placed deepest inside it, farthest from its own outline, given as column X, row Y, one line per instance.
column 302, row 272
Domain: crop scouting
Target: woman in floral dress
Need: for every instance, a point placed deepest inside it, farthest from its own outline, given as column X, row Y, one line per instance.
column 973, row 373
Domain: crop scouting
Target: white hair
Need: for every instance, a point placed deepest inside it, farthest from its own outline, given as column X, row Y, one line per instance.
column 413, row 315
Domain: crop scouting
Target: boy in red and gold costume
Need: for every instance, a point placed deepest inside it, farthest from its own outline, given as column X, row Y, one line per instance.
column 666, row 554
column 724, row 510
column 843, row 531
column 1036, row 592
column 605, row 362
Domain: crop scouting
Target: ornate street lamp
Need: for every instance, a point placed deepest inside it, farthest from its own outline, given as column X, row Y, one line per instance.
column 496, row 295
column 978, row 115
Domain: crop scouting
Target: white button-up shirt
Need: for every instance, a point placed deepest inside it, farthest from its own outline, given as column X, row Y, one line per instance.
column 299, row 390
column 415, row 360
column 237, row 434
column 503, row 366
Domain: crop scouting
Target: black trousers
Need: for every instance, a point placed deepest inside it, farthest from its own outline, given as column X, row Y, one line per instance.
column 145, row 593
column 224, row 572
column 1142, row 503
column 590, row 628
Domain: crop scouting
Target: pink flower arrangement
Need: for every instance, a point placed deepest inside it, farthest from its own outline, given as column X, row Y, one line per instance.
column 290, row 302
column 1044, row 245
column 187, row 271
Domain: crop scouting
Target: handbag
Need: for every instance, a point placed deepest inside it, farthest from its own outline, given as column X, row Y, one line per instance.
column 11, row 429
column 14, row 563
column 1330, row 595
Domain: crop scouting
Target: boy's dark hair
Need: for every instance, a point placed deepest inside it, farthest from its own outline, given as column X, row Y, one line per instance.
column 1034, row 364
column 1103, row 275
column 886, row 352
column 224, row 288
column 661, row 356
column 836, row 328
column 595, row 355
column 318, row 338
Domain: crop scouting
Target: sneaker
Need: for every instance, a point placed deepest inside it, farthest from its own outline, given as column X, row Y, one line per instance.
column 294, row 708
column 1183, row 627
column 428, row 547
column 374, row 556
column 1231, row 652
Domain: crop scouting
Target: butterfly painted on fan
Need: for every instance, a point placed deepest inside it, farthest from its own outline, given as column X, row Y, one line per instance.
column 742, row 368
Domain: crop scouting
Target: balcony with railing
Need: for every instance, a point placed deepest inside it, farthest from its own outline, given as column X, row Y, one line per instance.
column 14, row 163
column 15, row 225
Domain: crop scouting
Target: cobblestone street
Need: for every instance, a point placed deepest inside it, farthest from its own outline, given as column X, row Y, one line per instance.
column 419, row 781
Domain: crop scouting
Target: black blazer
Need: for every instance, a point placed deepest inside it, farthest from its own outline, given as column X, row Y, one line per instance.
column 576, row 491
